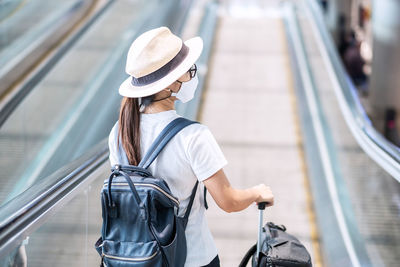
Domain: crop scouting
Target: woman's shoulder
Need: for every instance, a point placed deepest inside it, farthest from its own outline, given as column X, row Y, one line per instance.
column 195, row 133
column 113, row 133
column 115, row 127
column 195, row 129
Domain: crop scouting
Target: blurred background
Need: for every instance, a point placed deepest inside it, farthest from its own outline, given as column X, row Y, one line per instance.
column 301, row 95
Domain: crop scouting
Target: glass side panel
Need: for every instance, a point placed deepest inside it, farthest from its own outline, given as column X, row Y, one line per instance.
column 67, row 238
column 374, row 194
column 73, row 107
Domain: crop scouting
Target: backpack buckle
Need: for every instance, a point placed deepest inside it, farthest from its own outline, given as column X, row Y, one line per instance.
column 116, row 168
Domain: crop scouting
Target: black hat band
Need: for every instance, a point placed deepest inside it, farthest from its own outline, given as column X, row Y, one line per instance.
column 164, row 70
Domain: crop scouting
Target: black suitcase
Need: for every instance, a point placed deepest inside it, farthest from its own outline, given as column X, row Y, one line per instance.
column 275, row 247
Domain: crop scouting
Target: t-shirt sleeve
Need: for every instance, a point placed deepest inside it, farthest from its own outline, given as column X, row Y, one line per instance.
column 112, row 146
column 205, row 155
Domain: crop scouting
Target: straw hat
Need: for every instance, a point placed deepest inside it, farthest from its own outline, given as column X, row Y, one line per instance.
column 156, row 59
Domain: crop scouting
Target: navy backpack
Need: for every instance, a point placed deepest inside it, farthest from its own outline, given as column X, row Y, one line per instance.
column 140, row 222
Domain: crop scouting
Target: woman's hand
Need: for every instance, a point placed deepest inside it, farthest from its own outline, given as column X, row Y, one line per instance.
column 264, row 194
column 230, row 199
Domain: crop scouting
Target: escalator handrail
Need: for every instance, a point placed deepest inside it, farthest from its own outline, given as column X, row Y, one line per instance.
column 372, row 142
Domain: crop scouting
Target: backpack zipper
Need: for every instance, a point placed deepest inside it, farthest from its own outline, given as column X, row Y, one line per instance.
column 150, row 185
column 129, row 259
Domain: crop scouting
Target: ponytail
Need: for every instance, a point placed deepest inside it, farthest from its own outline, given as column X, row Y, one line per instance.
column 129, row 129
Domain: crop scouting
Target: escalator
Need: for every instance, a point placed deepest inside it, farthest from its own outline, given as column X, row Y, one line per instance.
column 54, row 148
column 354, row 171
column 56, row 135
column 49, row 127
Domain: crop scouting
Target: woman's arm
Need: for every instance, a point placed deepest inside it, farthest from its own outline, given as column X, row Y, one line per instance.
column 230, row 199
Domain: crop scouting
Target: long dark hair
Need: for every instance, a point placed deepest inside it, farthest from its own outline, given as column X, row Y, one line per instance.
column 129, row 127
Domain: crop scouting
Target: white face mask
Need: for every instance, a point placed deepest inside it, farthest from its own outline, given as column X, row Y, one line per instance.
column 186, row 93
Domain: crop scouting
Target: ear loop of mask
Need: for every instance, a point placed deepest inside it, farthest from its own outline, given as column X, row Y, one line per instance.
column 142, row 105
column 171, row 92
column 163, row 97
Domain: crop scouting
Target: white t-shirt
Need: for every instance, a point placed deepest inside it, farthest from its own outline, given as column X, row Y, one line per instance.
column 192, row 154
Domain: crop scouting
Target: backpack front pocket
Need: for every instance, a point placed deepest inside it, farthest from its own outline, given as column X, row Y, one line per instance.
column 175, row 252
column 130, row 254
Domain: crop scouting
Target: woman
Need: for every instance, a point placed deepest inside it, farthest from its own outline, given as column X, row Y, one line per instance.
column 162, row 70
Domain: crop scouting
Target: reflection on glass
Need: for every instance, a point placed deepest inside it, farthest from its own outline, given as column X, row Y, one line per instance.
column 22, row 22
column 73, row 107
column 67, row 238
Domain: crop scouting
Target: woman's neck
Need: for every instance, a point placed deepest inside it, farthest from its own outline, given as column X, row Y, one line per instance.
column 163, row 105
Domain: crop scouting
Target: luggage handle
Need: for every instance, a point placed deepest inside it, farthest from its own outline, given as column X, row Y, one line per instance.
column 261, row 205
column 256, row 247
column 261, row 208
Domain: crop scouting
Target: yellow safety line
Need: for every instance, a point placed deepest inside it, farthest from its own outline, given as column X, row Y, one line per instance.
column 317, row 260
column 22, row 3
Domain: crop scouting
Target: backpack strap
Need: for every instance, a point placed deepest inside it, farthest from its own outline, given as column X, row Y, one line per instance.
column 163, row 138
column 248, row 255
column 161, row 141
column 189, row 207
column 205, row 198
